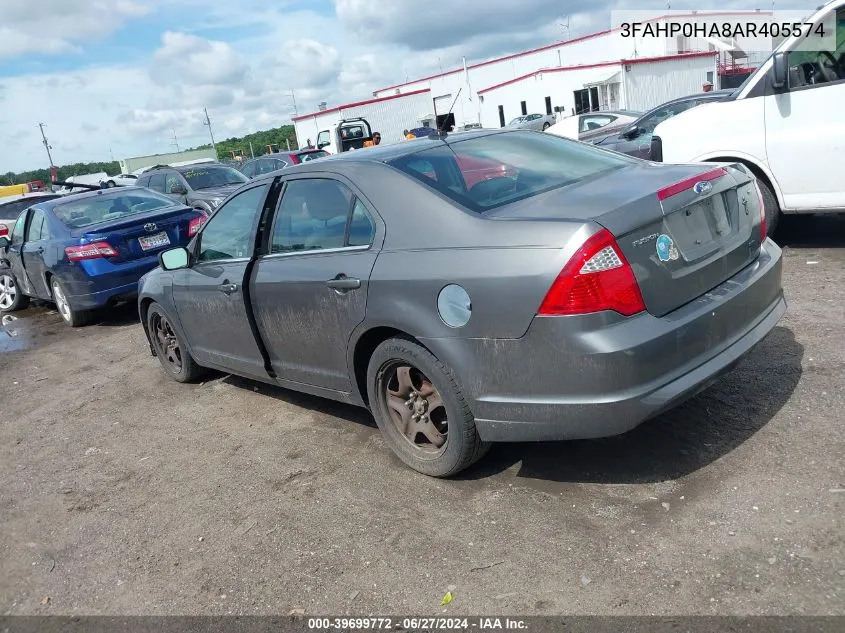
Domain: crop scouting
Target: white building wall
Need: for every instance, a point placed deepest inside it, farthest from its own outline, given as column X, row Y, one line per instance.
column 649, row 84
column 390, row 117
column 559, row 85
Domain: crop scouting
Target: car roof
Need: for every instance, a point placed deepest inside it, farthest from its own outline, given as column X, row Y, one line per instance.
column 26, row 196
column 387, row 153
column 107, row 193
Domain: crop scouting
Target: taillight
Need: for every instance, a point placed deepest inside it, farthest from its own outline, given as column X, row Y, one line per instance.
column 90, row 251
column 4, row 230
column 689, row 183
column 763, row 226
column 597, row 277
column 196, row 224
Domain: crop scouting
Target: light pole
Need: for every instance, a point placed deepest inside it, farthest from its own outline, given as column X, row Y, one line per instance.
column 210, row 133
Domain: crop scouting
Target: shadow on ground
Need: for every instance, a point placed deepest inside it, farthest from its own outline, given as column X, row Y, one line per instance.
column 811, row 231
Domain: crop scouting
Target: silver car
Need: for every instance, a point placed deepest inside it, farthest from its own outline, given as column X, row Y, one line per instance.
column 482, row 287
column 537, row 122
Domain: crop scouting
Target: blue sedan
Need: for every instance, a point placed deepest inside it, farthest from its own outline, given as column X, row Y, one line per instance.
column 88, row 251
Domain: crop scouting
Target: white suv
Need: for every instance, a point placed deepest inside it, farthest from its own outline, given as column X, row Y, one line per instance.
column 786, row 123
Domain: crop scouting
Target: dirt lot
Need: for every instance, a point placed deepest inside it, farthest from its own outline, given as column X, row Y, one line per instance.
column 122, row 492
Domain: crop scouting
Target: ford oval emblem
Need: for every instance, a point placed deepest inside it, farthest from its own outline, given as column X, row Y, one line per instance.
column 702, row 187
column 151, row 226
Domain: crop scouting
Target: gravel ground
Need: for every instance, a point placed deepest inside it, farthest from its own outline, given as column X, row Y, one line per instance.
column 123, row 492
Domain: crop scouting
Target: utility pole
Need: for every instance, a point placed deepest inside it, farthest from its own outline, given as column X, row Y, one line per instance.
column 293, row 98
column 47, row 146
column 251, row 153
column 210, row 133
column 175, row 141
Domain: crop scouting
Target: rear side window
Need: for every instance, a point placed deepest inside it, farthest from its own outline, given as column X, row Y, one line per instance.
column 315, row 214
column 38, row 229
column 156, row 183
column 490, row 171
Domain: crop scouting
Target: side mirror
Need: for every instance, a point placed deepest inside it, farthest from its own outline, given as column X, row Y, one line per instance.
column 631, row 133
column 178, row 190
column 4, row 242
column 174, row 259
column 322, row 144
column 779, row 70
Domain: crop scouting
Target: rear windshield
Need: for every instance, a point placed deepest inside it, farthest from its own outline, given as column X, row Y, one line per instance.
column 487, row 172
column 78, row 213
column 210, row 177
column 11, row 210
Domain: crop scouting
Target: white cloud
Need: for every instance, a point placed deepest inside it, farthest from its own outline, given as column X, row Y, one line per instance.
column 61, row 26
column 195, row 61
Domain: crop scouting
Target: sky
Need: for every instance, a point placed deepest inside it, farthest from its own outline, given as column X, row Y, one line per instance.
column 118, row 78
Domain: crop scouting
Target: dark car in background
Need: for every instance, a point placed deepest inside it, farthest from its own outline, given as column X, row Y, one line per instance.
column 88, row 251
column 202, row 186
column 280, row 160
column 635, row 138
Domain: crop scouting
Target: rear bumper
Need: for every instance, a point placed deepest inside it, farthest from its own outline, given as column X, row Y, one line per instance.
column 601, row 375
column 98, row 283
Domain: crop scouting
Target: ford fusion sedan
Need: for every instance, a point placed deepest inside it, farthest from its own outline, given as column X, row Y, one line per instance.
column 88, row 251
column 575, row 295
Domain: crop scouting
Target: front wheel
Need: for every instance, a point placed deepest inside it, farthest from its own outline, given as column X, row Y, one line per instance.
column 11, row 297
column 71, row 316
column 170, row 348
column 421, row 411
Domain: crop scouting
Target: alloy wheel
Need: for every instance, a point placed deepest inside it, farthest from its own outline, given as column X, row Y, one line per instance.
column 416, row 407
column 62, row 304
column 8, row 292
column 166, row 342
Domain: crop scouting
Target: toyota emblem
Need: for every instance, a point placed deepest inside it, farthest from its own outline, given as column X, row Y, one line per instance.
column 150, row 226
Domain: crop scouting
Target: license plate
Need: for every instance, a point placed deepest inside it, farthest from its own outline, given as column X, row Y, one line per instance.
column 158, row 240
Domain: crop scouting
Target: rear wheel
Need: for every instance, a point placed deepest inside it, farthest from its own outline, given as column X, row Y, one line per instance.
column 11, row 297
column 71, row 316
column 770, row 204
column 170, row 348
column 546, row 126
column 421, row 410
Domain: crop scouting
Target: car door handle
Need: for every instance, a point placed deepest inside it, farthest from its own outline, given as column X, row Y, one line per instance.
column 227, row 288
column 342, row 282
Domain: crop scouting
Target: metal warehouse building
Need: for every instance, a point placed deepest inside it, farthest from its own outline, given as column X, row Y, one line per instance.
column 601, row 71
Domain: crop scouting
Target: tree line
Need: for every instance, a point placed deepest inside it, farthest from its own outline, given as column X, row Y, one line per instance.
column 278, row 138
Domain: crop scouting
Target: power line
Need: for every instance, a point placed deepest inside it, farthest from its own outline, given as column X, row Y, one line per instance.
column 210, row 133
column 47, row 146
column 175, row 141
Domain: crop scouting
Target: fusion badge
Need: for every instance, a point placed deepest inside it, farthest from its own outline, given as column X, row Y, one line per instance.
column 666, row 248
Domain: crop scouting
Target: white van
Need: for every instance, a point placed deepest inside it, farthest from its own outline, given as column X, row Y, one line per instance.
column 786, row 123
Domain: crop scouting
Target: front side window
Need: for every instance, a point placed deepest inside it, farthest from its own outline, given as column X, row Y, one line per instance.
column 228, row 234
column 490, row 171
column 172, row 181
column 808, row 67
column 77, row 213
column 17, row 232
column 315, row 213
column 211, row 176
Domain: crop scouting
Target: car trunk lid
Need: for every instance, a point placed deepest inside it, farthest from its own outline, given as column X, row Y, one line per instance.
column 681, row 238
column 142, row 235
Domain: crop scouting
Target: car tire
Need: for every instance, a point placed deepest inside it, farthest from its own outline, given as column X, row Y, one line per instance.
column 170, row 349
column 770, row 204
column 71, row 316
column 398, row 366
column 11, row 297
column 546, row 126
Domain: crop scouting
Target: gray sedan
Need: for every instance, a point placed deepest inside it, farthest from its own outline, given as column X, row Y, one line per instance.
column 537, row 122
column 483, row 287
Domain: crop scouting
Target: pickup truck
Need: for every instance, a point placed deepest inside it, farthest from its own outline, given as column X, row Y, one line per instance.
column 784, row 123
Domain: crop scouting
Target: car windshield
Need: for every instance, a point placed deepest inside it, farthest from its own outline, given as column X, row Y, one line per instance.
column 209, row 177
column 490, row 171
column 84, row 212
